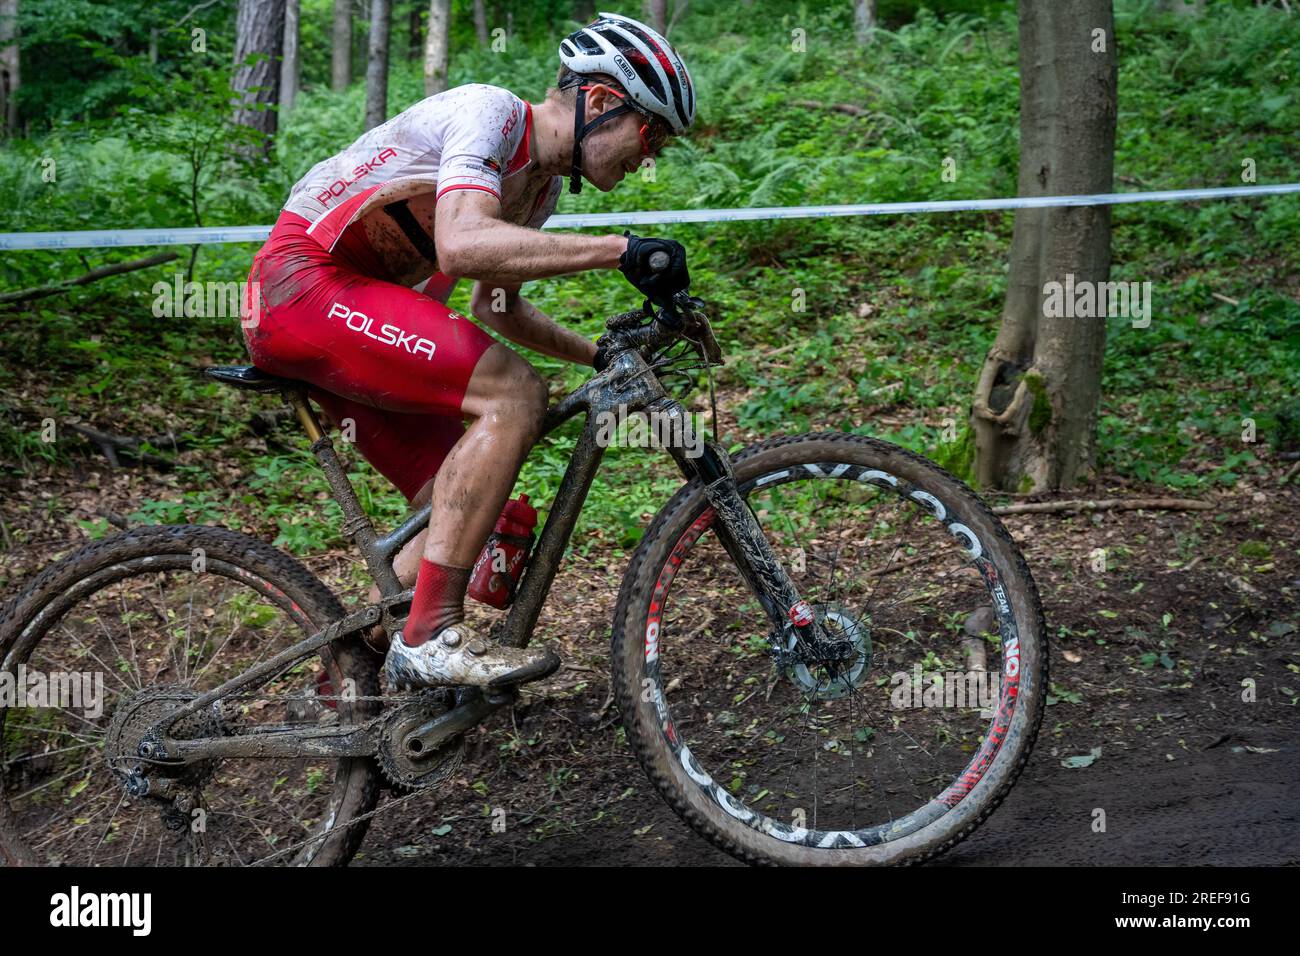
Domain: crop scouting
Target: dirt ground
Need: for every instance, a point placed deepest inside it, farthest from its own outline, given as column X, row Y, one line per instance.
column 1193, row 604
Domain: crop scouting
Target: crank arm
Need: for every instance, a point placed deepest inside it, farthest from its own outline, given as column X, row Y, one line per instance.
column 473, row 705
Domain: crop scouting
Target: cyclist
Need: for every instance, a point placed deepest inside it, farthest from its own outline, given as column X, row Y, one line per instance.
column 349, row 295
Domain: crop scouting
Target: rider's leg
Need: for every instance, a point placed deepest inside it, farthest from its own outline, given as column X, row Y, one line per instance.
column 472, row 478
column 372, row 341
column 407, row 449
column 507, row 400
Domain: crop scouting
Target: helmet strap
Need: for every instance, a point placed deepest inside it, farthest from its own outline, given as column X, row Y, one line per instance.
column 580, row 131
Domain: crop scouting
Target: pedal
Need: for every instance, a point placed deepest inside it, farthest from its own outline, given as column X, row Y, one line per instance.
column 526, row 675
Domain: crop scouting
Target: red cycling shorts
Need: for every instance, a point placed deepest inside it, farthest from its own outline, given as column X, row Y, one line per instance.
column 389, row 365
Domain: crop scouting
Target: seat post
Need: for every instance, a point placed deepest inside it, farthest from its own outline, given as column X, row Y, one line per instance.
column 297, row 399
column 357, row 527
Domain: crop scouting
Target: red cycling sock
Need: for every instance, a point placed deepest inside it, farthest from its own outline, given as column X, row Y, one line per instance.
column 439, row 601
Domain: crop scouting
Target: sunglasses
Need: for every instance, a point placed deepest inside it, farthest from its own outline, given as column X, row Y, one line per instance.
column 653, row 132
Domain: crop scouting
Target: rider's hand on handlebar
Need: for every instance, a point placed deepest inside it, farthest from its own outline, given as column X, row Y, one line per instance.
column 661, row 279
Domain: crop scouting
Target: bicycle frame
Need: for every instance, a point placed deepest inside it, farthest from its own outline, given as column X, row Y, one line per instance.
column 629, row 384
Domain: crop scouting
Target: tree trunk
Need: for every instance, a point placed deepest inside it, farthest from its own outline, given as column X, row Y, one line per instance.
column 289, row 67
column 864, row 21
column 679, row 8
column 341, row 57
column 1034, row 415
column 655, row 13
column 480, row 22
column 584, row 11
column 437, row 47
column 10, row 64
column 415, row 32
column 381, row 15
column 259, row 29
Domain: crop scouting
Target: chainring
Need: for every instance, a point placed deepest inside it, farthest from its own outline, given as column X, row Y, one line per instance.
column 418, row 772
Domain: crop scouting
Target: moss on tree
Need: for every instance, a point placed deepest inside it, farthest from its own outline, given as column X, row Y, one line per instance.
column 1040, row 415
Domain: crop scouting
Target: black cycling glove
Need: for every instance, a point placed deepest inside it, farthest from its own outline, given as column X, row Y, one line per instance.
column 657, row 286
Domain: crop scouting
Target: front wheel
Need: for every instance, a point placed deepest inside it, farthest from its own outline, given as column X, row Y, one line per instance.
column 903, row 742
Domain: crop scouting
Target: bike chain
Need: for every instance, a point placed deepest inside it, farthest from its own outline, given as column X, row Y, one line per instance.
column 385, row 807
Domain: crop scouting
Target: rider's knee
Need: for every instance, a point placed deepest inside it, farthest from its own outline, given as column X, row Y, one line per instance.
column 521, row 398
column 533, row 397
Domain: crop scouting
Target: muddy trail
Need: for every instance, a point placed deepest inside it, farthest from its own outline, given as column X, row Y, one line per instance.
column 1170, row 735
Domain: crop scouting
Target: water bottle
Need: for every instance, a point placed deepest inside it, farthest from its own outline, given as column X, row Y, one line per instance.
column 497, row 571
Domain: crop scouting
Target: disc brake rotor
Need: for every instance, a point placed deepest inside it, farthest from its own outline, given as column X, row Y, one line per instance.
column 829, row 679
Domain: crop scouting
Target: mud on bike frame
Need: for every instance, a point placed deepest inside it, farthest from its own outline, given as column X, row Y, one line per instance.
column 628, row 382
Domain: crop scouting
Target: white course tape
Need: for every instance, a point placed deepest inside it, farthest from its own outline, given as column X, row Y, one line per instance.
column 101, row 238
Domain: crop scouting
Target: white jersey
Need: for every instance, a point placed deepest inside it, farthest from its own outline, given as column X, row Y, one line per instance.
column 470, row 137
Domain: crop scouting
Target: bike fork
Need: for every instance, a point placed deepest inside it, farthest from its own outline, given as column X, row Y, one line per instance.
column 739, row 532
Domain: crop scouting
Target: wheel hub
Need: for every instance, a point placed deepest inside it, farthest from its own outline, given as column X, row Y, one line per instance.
column 129, row 728
column 837, row 662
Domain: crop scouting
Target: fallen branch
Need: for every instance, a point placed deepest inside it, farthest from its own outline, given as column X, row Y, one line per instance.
column 1109, row 504
column 847, row 108
column 115, row 519
column 1290, row 473
column 103, row 272
column 109, row 445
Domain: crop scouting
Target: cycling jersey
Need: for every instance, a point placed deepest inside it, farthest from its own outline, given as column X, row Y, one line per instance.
column 389, row 362
column 470, row 137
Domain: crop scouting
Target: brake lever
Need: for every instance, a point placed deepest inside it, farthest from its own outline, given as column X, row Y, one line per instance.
column 695, row 326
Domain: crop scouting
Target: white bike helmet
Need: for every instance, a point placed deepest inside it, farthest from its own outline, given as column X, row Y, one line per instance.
column 642, row 61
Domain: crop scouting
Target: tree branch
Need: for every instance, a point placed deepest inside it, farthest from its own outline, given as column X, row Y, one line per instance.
column 1109, row 504
column 103, row 272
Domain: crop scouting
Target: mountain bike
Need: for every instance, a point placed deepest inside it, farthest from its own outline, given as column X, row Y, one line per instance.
column 788, row 656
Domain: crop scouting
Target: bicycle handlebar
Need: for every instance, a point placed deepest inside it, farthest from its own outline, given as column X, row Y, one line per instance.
column 683, row 317
column 675, row 319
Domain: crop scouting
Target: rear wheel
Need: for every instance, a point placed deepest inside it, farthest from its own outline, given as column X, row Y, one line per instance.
column 120, row 632
column 888, row 750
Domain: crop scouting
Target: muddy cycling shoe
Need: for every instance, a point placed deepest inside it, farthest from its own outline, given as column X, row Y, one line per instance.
column 457, row 655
